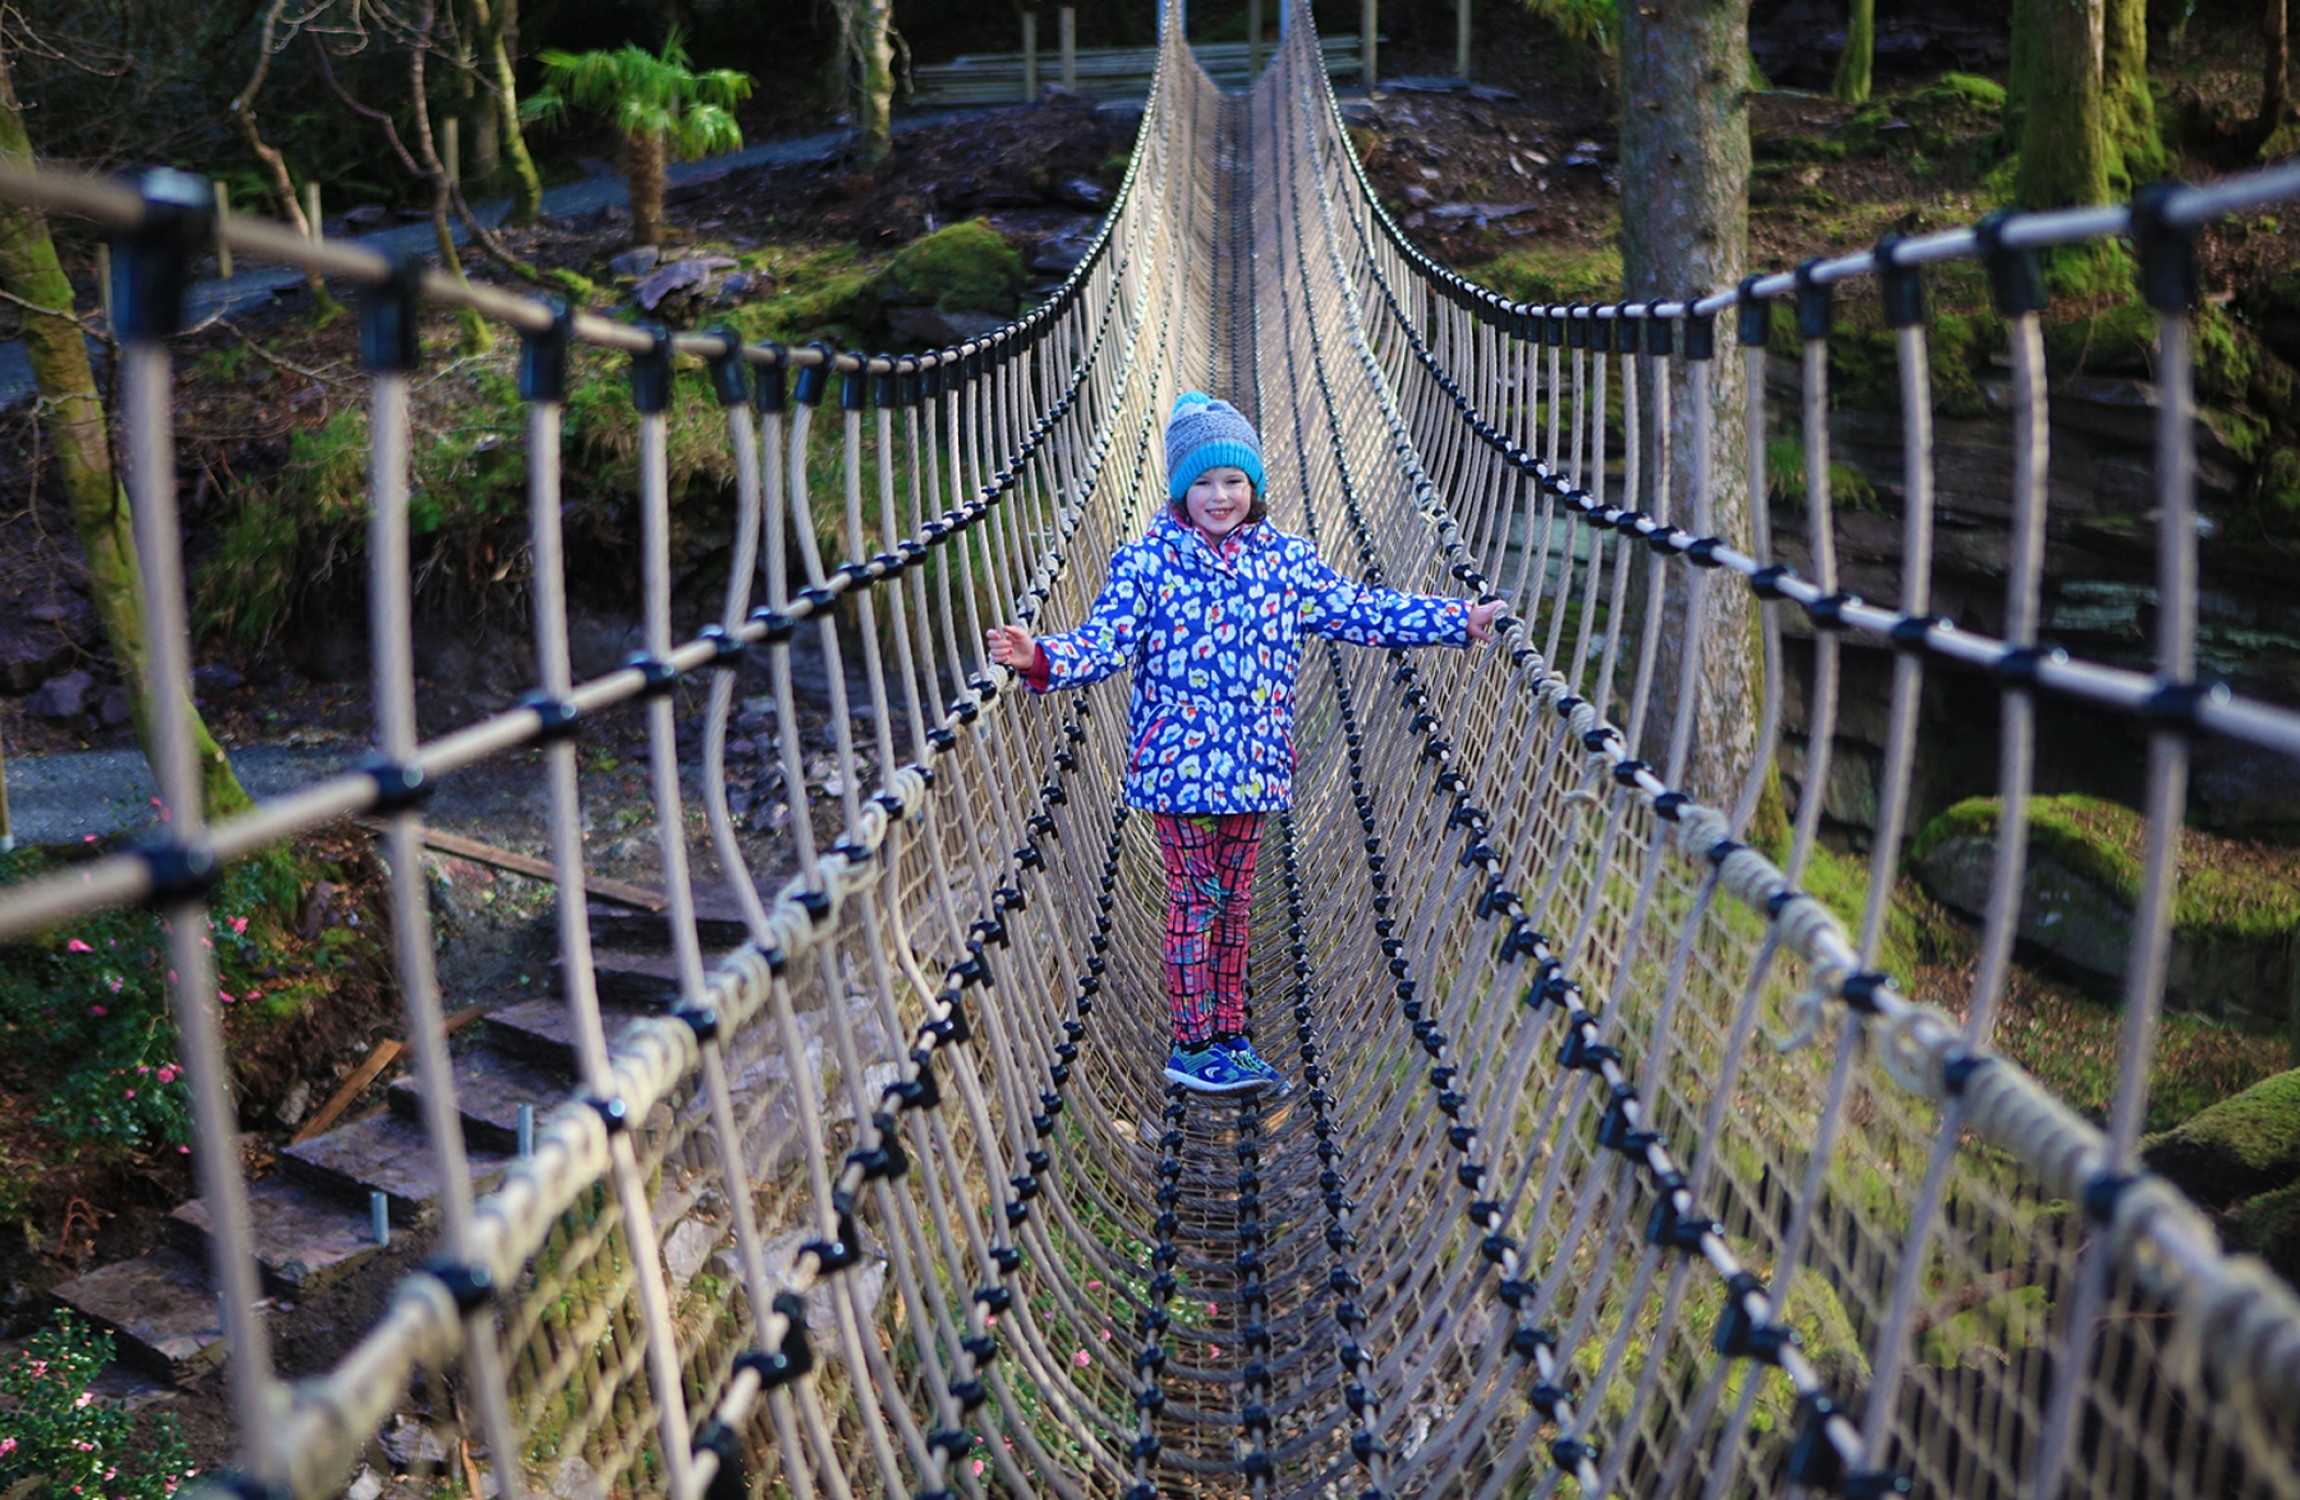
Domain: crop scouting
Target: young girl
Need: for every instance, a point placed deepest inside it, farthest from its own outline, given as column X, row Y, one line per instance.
column 1210, row 609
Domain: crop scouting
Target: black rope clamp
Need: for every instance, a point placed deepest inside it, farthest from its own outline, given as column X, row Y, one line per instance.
column 814, row 378
column 773, row 380
column 780, row 1366
column 727, row 648
column 727, row 1481
column 657, row 677
column 837, row 1253
column 2167, row 251
column 1681, row 1231
column 1753, row 315
column 2014, row 276
column 470, row 1285
column 1614, row 1132
column 178, row 872
column 1902, row 286
column 399, row 785
column 1740, row 1335
column 700, row 1020
column 1813, row 1460
column 556, row 719
column 2179, row 705
column 1815, row 305
column 854, row 385
column 388, row 321
column 613, row 1113
column 651, row 372
column 151, row 263
column 730, row 376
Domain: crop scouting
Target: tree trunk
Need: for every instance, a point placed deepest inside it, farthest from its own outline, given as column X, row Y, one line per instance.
column 499, row 26
column 72, row 419
column 1685, row 231
column 645, row 171
column 870, row 26
column 1855, row 62
column 2128, row 110
column 2064, row 150
column 478, row 334
column 2276, row 38
column 291, row 203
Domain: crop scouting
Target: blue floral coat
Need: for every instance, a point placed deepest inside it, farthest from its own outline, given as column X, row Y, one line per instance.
column 1214, row 634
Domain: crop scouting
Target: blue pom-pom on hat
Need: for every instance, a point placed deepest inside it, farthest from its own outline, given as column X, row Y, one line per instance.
column 1205, row 433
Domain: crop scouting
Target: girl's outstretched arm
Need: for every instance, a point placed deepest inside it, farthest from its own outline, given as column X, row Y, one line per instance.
column 1097, row 648
column 1338, row 609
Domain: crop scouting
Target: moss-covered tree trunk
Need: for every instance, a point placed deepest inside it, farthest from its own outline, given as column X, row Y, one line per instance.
column 2128, row 110
column 2275, row 99
column 644, row 155
column 1685, row 230
column 2057, row 87
column 1859, row 57
column 870, row 28
column 498, row 25
column 72, row 419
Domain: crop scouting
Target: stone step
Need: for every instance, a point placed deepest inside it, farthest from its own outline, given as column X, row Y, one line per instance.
column 719, row 922
column 160, row 1308
column 306, row 1237
column 541, row 1033
column 383, row 1153
column 490, row 1085
column 635, row 978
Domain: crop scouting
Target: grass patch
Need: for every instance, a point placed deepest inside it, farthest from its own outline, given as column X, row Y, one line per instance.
column 1556, row 273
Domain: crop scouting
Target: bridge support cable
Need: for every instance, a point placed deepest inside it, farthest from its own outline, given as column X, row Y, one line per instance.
column 890, row 1200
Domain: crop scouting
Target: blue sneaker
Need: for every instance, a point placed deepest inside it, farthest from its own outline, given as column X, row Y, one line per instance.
column 1210, row 1070
column 1241, row 1053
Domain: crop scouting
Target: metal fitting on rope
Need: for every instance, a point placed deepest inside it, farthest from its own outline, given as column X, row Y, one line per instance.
column 1902, row 286
column 772, row 384
column 1828, row 611
column 1739, row 1334
column 2166, row 251
column 730, row 377
column 727, row 648
column 1675, row 1229
column 837, row 1253
column 657, row 677
column 470, row 1285
column 727, row 1480
column 815, row 378
column 613, row 1113
column 2017, row 666
column 399, row 785
column 854, row 384
column 556, row 719
column 651, row 372
column 2179, row 705
column 151, row 263
column 1913, row 634
column 1765, row 583
column 389, row 321
column 1815, row 306
column 793, row 1358
column 1754, row 315
column 178, row 872
column 1658, row 330
column 2014, row 276
column 699, row 1019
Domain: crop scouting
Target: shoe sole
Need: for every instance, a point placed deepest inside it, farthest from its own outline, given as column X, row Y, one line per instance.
column 1201, row 1086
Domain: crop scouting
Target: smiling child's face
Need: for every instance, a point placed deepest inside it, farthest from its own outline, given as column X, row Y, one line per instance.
column 1218, row 500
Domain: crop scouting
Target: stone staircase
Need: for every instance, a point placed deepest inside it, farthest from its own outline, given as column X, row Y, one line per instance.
column 312, row 1217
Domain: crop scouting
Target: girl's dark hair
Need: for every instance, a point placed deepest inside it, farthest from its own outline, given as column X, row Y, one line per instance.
column 1258, row 511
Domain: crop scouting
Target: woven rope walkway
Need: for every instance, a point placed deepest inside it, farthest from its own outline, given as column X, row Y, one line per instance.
column 1613, row 1165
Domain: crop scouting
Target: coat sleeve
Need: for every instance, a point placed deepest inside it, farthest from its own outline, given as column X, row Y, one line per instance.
column 1107, row 639
column 1337, row 609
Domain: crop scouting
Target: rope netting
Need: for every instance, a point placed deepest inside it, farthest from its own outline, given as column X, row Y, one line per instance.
column 1612, row 1162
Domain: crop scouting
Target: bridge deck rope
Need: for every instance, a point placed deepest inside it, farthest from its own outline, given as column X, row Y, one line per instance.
column 1613, row 1164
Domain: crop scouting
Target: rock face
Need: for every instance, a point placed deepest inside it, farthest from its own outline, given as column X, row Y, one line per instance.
column 62, row 697
column 2241, row 1159
column 2232, row 939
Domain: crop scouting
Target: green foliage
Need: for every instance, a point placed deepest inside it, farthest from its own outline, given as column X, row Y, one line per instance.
column 1849, row 488
column 2226, row 890
column 967, row 266
column 84, row 1011
column 60, row 1440
column 649, row 95
column 1588, row 26
column 1556, row 273
column 248, row 588
column 823, row 293
column 2246, row 1144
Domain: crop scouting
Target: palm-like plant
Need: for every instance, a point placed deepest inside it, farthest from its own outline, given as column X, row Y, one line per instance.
column 665, row 110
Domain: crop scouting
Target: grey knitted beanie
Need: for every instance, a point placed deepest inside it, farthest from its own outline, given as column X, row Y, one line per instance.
column 1206, row 434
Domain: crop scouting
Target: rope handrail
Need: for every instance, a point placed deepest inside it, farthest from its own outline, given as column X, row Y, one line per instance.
column 1539, row 1196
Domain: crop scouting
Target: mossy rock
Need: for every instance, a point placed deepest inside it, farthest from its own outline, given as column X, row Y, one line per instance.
column 2238, row 1148
column 2235, row 914
column 1556, row 274
column 2269, row 1227
column 966, row 272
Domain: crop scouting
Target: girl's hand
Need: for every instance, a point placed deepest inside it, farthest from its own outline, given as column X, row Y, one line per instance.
column 1481, row 618
column 1011, row 646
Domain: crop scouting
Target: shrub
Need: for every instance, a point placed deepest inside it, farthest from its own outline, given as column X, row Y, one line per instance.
column 61, row 1440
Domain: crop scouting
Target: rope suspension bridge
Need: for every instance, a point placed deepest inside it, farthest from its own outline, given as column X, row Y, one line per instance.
column 1614, row 1165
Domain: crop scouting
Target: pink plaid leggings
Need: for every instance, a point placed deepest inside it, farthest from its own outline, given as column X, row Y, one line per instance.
column 1209, row 892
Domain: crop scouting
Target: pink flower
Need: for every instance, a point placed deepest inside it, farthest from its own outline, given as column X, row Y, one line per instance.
column 76, row 946
column 98, row 1010
column 85, row 838
column 226, row 996
column 1213, row 1311
column 1213, row 1352
column 183, row 1150
column 85, row 1398
column 1093, row 1286
column 1105, row 1335
column 8, row 1444
column 239, row 924
column 1081, row 1359
column 168, row 1072
column 127, row 1094
column 978, row 1467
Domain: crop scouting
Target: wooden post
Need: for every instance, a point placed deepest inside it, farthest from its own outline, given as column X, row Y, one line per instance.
column 311, row 202
column 1368, row 18
column 223, row 217
column 452, row 129
column 1461, row 39
column 1069, row 15
column 1029, row 56
column 1253, row 37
